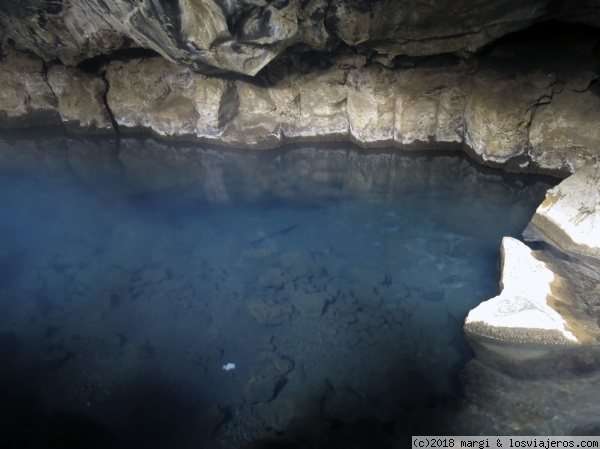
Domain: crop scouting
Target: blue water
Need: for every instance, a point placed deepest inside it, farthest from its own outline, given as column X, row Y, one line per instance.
column 336, row 281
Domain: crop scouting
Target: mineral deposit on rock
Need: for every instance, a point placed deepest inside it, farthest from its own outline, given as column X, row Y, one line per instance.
column 522, row 312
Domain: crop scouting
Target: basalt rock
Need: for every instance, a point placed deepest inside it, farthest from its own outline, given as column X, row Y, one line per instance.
column 25, row 98
column 394, row 28
column 244, row 36
column 569, row 217
column 206, row 35
column 524, row 120
column 533, row 102
column 80, row 99
column 371, row 105
column 524, row 105
column 564, row 125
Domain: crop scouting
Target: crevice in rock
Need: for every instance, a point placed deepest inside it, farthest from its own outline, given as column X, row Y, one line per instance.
column 170, row 11
column 594, row 87
column 109, row 111
column 430, row 61
column 542, row 32
column 97, row 65
column 229, row 106
column 45, row 69
column 588, row 87
column 325, row 20
column 524, row 160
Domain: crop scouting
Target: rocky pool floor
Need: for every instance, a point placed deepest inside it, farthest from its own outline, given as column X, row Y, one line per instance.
column 336, row 281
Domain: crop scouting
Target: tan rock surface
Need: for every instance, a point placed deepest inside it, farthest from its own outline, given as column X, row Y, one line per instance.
column 499, row 110
column 565, row 130
column 25, row 97
column 170, row 100
column 80, row 99
column 372, row 106
column 519, row 109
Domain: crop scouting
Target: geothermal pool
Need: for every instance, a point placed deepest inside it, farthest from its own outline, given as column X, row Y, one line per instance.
column 164, row 295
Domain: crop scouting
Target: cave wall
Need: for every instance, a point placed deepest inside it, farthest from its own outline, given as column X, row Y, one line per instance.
column 513, row 83
column 243, row 36
column 259, row 74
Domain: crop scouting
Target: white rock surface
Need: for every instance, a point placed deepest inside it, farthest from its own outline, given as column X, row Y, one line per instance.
column 523, row 312
column 569, row 217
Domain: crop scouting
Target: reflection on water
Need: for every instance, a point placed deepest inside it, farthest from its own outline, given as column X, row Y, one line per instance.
column 335, row 281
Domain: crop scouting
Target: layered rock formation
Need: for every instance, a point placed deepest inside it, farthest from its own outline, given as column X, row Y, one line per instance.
column 244, row 36
column 344, row 70
column 516, row 107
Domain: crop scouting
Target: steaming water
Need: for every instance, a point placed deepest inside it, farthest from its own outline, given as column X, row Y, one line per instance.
column 336, row 281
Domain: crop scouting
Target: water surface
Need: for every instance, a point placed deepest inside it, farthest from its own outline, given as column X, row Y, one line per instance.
column 336, row 280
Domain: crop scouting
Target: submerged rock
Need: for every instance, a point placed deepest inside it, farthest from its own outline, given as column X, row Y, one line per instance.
column 311, row 304
column 262, row 389
column 10, row 347
column 267, row 313
column 500, row 404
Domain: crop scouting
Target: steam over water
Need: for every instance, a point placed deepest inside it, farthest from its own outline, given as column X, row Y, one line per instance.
column 335, row 280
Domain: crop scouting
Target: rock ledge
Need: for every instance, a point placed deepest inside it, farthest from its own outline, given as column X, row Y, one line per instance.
column 569, row 217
